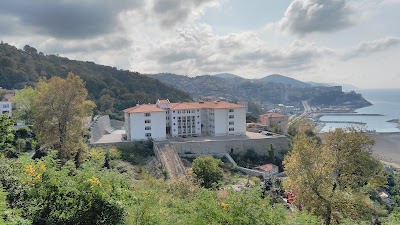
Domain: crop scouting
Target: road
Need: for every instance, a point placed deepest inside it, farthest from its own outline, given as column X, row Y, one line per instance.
column 307, row 111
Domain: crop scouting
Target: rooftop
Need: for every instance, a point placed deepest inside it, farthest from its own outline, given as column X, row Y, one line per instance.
column 183, row 106
column 266, row 167
column 144, row 109
column 273, row 115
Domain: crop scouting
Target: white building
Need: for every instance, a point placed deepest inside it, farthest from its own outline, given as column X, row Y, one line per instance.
column 6, row 107
column 164, row 119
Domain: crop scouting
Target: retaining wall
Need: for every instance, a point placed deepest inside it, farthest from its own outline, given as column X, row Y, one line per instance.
column 260, row 146
column 99, row 128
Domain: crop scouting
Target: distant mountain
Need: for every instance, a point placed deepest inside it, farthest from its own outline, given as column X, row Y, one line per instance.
column 280, row 79
column 227, row 76
column 112, row 89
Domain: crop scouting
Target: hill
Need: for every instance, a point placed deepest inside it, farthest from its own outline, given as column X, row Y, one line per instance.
column 227, row 76
column 112, row 89
column 276, row 78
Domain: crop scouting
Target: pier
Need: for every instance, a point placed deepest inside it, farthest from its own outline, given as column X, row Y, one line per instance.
column 348, row 122
column 347, row 114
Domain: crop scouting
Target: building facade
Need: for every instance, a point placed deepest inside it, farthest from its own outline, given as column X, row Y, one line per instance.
column 165, row 119
column 275, row 119
column 6, row 107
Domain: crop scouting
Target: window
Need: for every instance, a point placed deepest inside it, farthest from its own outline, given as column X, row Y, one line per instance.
column 147, row 114
column 174, row 124
column 174, row 117
column 147, row 121
column 230, row 110
column 231, row 116
column 6, row 106
column 231, row 129
column 173, row 111
column 147, row 128
column 188, row 111
column 148, row 134
column 231, row 122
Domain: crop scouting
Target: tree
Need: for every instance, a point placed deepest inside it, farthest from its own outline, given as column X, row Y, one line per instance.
column 24, row 100
column 6, row 132
column 207, row 171
column 329, row 178
column 58, row 111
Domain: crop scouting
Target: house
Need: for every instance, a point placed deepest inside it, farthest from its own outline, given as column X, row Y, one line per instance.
column 268, row 169
column 165, row 119
column 6, row 107
column 275, row 119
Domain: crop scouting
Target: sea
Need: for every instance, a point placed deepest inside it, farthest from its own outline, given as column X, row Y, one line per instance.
column 384, row 101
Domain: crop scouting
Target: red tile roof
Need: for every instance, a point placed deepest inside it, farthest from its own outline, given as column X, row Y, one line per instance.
column 144, row 109
column 266, row 167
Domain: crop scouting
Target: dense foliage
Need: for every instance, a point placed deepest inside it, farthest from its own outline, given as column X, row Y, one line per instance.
column 111, row 89
column 207, row 172
column 333, row 179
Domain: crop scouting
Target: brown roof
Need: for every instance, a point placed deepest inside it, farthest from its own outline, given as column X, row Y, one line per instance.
column 144, row 108
column 266, row 167
column 274, row 115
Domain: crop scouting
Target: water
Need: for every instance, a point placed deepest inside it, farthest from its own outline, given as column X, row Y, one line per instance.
column 385, row 101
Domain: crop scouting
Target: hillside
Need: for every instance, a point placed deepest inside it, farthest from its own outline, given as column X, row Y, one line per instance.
column 112, row 90
column 227, row 76
column 276, row 78
column 234, row 89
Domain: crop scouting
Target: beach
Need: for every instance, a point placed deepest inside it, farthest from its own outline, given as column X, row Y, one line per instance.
column 387, row 148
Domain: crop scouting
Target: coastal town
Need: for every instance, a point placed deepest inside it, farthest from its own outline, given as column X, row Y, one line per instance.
column 211, row 112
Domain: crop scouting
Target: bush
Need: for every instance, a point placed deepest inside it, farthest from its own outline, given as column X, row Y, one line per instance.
column 207, row 171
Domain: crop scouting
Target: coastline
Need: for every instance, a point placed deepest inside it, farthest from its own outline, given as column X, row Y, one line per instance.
column 387, row 148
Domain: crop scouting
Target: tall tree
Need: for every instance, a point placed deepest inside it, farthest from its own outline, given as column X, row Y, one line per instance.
column 58, row 111
column 329, row 178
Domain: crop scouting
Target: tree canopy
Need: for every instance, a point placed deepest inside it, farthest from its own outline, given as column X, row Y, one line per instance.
column 331, row 179
column 59, row 110
column 207, row 171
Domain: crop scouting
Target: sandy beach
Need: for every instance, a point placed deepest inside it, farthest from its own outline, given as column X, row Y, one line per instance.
column 387, row 148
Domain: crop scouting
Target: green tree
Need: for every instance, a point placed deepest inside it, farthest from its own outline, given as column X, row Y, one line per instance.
column 58, row 111
column 207, row 171
column 24, row 101
column 6, row 132
column 329, row 178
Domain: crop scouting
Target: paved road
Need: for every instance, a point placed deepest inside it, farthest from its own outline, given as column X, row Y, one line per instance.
column 307, row 111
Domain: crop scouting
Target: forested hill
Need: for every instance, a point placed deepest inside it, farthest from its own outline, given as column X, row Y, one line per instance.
column 112, row 90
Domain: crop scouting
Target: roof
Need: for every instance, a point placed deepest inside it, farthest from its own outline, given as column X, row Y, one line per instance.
column 273, row 115
column 183, row 106
column 266, row 167
column 207, row 105
column 144, row 109
column 163, row 101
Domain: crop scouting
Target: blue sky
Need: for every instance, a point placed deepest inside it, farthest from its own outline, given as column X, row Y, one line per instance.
column 334, row 41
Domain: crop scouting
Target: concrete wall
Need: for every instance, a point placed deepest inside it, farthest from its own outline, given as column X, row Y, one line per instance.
column 260, row 146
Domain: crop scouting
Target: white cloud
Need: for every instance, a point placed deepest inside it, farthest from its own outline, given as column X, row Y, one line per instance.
column 370, row 47
column 308, row 16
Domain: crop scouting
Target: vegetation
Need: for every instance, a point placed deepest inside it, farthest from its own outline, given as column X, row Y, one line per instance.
column 332, row 179
column 111, row 89
column 207, row 172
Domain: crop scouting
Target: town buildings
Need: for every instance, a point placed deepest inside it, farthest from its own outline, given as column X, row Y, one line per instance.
column 275, row 119
column 165, row 119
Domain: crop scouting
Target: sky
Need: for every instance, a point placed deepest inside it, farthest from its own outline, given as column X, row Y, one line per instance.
column 333, row 41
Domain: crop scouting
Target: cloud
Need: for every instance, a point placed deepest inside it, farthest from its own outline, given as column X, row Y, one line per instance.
column 306, row 16
column 197, row 49
column 172, row 12
column 68, row 19
column 370, row 47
